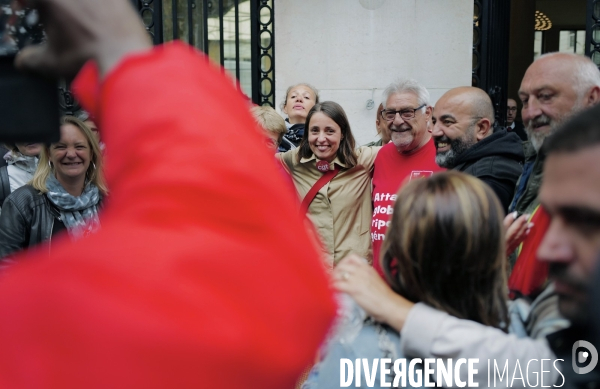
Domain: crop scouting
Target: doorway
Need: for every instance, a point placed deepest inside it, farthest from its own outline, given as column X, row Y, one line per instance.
column 543, row 26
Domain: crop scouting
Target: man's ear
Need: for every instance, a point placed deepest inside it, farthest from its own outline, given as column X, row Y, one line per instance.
column 593, row 96
column 377, row 124
column 428, row 113
column 483, row 129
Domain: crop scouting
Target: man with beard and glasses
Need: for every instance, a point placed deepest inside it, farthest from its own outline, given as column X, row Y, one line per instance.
column 554, row 87
column 410, row 155
column 465, row 140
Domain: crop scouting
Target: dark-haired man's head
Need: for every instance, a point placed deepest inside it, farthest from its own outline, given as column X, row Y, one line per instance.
column 462, row 117
column 570, row 192
column 511, row 111
column 556, row 86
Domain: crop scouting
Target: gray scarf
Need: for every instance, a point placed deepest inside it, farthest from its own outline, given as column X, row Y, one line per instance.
column 29, row 164
column 79, row 214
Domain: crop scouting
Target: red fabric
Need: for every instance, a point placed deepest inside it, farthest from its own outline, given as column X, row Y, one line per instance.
column 193, row 280
column 321, row 182
column 392, row 170
column 529, row 275
column 289, row 182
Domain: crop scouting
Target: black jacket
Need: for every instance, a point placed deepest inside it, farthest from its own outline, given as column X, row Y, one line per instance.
column 519, row 130
column 27, row 219
column 3, row 150
column 497, row 161
column 292, row 137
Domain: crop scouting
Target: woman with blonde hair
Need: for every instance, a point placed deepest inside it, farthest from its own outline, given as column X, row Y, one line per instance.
column 271, row 123
column 444, row 248
column 65, row 192
column 299, row 99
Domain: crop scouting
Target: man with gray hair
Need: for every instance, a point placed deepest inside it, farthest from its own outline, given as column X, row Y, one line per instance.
column 555, row 87
column 465, row 141
column 410, row 155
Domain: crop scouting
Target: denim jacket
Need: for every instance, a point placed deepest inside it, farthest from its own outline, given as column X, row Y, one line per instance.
column 356, row 336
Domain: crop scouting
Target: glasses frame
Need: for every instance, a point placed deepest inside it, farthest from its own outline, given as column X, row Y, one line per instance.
column 411, row 111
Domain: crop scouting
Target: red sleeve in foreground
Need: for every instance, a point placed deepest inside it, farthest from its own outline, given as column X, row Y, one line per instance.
column 201, row 276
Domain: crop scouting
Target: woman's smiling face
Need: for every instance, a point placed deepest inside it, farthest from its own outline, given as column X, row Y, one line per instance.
column 324, row 136
column 71, row 155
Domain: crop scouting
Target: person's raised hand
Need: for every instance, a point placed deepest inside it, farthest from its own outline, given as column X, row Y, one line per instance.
column 354, row 276
column 79, row 30
column 516, row 230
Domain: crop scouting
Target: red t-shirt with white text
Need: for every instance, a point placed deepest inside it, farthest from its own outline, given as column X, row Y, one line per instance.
column 392, row 170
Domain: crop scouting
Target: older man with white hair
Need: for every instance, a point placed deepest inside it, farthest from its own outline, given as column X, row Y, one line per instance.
column 410, row 155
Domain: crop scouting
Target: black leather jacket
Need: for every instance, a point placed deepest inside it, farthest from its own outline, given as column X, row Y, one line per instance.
column 26, row 220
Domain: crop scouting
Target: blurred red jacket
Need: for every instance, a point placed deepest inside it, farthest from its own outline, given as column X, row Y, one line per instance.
column 201, row 276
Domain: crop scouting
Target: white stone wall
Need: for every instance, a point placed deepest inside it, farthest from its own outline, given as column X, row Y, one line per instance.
column 351, row 53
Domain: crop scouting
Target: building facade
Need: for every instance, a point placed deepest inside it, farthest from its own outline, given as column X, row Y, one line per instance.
column 351, row 49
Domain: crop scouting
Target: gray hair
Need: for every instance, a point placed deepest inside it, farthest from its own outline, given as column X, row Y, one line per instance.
column 406, row 85
column 585, row 73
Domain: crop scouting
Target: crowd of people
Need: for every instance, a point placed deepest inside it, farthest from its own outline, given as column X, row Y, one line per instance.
column 450, row 237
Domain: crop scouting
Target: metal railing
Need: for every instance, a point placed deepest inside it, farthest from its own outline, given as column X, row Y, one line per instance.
column 237, row 34
column 592, row 33
column 490, row 52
